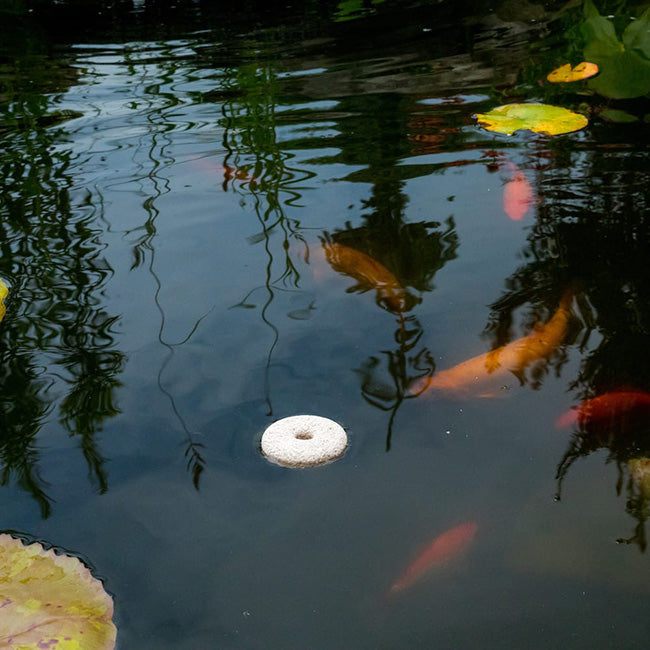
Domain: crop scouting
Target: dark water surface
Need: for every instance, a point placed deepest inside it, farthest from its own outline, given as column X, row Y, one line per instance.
column 171, row 179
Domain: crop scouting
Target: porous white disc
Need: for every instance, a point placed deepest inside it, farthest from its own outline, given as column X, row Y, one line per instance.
column 304, row 441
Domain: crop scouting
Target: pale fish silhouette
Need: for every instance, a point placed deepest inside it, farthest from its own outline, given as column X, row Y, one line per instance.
column 518, row 193
column 444, row 548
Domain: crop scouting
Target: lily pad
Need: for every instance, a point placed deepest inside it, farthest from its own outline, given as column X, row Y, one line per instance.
column 566, row 73
column 540, row 118
column 618, row 116
column 51, row 601
column 4, row 292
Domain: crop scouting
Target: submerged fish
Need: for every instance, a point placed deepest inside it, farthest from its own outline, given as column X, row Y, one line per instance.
column 518, row 194
column 369, row 274
column 225, row 171
column 608, row 409
column 471, row 376
column 443, row 548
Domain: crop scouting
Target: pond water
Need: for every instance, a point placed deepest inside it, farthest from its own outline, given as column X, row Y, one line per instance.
column 212, row 222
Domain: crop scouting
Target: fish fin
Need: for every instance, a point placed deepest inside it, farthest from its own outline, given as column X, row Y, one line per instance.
column 490, row 395
column 358, row 288
column 520, row 374
column 492, row 362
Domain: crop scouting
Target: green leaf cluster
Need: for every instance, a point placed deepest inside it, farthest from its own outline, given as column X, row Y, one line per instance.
column 624, row 62
column 351, row 9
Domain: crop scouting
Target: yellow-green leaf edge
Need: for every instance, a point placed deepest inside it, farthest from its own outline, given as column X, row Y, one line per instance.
column 4, row 292
column 49, row 600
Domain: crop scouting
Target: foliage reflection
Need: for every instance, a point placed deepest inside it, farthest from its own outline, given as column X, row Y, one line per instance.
column 592, row 231
column 58, row 340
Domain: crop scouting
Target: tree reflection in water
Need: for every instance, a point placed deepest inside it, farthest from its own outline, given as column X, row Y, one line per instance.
column 414, row 252
column 58, row 340
column 593, row 230
column 258, row 169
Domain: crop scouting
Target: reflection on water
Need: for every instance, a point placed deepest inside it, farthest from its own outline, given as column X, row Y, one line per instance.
column 209, row 222
column 58, row 339
column 415, row 251
column 592, row 229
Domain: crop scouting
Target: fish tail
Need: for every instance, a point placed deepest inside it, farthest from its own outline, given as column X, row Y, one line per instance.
column 567, row 419
column 566, row 301
column 421, row 385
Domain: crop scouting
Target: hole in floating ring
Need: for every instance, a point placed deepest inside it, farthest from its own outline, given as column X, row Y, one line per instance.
column 304, row 435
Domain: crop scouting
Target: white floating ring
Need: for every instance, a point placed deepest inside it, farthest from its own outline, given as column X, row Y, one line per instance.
column 304, row 441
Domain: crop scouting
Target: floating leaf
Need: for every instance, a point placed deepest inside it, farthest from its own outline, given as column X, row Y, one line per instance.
column 566, row 73
column 618, row 116
column 540, row 118
column 51, row 601
column 351, row 9
column 4, row 292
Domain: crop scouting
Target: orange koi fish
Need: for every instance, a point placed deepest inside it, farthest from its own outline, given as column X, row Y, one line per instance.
column 518, row 194
column 443, row 548
column 369, row 273
column 610, row 408
column 228, row 173
column 471, row 376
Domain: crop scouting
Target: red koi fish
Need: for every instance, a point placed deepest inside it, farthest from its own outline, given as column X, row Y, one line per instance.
column 477, row 375
column 369, row 273
column 443, row 548
column 610, row 408
column 518, row 194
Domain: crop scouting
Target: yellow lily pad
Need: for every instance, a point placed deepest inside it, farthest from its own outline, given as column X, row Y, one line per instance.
column 540, row 118
column 566, row 73
column 51, row 601
column 4, row 292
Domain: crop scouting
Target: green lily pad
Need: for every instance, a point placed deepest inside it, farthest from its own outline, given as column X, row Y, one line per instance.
column 618, row 116
column 540, row 118
column 51, row 601
column 351, row 9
